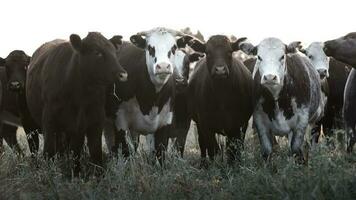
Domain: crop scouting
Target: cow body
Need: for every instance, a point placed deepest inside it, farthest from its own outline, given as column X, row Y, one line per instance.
column 333, row 75
column 344, row 50
column 65, row 88
column 221, row 97
column 288, row 94
column 148, row 96
column 15, row 112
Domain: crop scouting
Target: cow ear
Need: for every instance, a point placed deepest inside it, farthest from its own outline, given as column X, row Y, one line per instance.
column 248, row 48
column 28, row 60
column 2, row 61
column 183, row 41
column 138, row 41
column 195, row 57
column 76, row 42
column 292, row 47
column 236, row 45
column 197, row 45
column 116, row 40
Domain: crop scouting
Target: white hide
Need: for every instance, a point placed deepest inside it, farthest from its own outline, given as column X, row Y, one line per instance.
column 130, row 117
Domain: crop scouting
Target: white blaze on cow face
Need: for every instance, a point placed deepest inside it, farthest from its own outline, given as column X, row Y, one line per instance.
column 271, row 64
column 318, row 58
column 160, row 55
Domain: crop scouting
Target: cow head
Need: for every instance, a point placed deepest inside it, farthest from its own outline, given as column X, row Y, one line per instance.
column 160, row 45
column 318, row 58
column 218, row 50
column 16, row 66
column 342, row 49
column 271, row 61
column 97, row 58
column 182, row 62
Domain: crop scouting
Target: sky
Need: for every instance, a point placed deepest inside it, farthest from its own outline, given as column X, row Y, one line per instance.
column 27, row 24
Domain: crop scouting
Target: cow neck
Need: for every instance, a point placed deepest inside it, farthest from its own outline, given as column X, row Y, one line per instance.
column 78, row 84
column 148, row 97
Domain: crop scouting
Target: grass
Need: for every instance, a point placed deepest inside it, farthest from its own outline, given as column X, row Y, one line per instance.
column 329, row 174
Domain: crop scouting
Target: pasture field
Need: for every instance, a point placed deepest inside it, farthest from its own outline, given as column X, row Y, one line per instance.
column 329, row 174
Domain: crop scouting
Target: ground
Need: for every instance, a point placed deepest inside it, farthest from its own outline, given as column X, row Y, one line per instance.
column 329, row 174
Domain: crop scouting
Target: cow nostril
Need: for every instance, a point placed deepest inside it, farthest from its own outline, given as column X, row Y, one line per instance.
column 168, row 66
column 123, row 76
column 159, row 67
column 275, row 78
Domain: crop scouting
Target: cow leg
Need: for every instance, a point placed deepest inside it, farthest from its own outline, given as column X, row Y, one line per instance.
column 120, row 142
column 202, row 144
column 50, row 130
column 76, row 146
column 94, row 133
column 234, row 145
column 161, row 142
column 266, row 140
column 351, row 137
column 32, row 132
column 9, row 134
column 297, row 144
column 180, row 142
column 315, row 133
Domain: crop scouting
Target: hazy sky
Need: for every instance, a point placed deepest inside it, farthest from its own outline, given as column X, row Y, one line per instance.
column 27, row 24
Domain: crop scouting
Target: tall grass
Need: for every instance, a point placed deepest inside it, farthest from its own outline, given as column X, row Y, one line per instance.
column 329, row 174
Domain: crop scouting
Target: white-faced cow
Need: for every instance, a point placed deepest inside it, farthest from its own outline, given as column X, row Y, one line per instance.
column 220, row 96
column 65, row 90
column 344, row 50
column 288, row 93
column 333, row 75
column 149, row 94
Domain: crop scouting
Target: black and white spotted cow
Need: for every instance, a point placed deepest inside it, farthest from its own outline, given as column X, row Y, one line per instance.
column 148, row 96
column 333, row 75
column 344, row 50
column 288, row 92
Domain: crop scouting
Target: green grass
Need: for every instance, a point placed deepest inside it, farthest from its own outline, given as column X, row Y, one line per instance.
column 329, row 174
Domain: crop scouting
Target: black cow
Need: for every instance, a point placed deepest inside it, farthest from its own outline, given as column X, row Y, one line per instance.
column 65, row 87
column 13, row 78
column 287, row 89
column 16, row 66
column 148, row 96
column 221, row 96
column 344, row 50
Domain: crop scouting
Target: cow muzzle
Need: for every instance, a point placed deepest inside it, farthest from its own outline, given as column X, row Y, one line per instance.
column 270, row 79
column 323, row 73
column 15, row 85
column 221, row 71
column 163, row 70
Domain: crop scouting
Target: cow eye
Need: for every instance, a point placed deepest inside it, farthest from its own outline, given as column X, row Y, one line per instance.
column 282, row 58
column 259, row 58
column 98, row 53
column 310, row 57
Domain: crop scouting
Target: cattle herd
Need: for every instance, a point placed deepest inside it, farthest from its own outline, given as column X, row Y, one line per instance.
column 160, row 80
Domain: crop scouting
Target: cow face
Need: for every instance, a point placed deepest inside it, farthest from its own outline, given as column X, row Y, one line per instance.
column 97, row 58
column 342, row 49
column 318, row 58
column 218, row 50
column 271, row 61
column 16, row 65
column 161, row 47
